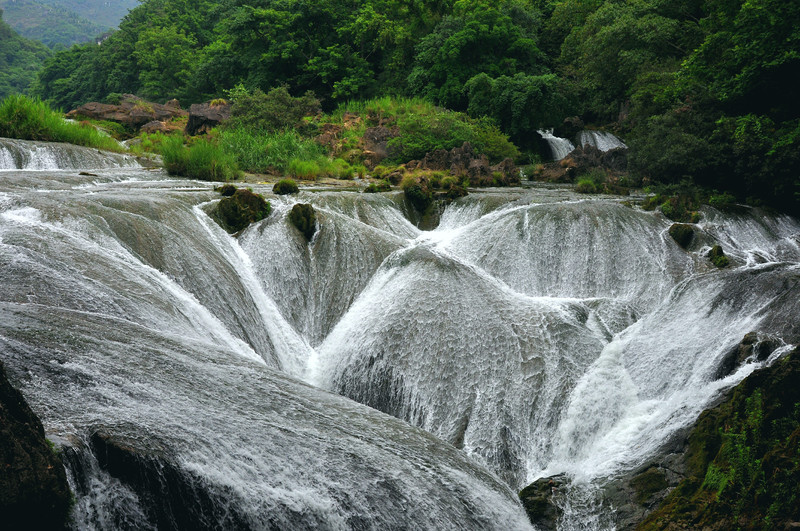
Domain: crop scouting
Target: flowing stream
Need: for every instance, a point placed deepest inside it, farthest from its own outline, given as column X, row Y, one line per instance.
column 379, row 376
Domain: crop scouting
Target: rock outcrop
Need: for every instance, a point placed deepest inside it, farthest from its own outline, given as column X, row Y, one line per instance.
column 34, row 493
column 463, row 161
column 132, row 111
column 205, row 116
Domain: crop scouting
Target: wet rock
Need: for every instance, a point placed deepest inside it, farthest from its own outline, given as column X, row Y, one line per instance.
column 569, row 128
column 285, row 187
column 717, row 257
column 538, row 501
column 234, row 213
column 304, row 217
column 755, row 346
column 682, row 233
column 204, row 116
column 34, row 493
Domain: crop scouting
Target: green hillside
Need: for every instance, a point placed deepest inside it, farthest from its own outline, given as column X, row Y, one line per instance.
column 20, row 60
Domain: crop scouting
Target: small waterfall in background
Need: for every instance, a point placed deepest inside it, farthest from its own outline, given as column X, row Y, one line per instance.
column 377, row 376
column 602, row 140
column 559, row 147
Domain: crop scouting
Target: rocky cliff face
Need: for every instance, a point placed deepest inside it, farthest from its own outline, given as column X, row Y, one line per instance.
column 33, row 486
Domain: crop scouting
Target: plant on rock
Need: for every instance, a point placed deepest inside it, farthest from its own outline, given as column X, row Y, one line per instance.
column 304, row 218
column 285, row 186
column 234, row 213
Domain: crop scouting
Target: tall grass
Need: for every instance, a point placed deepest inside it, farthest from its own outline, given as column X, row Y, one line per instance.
column 261, row 152
column 32, row 119
column 205, row 159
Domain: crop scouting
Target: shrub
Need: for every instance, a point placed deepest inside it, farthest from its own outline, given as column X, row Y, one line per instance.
column 722, row 200
column 285, row 186
column 274, row 111
column 264, row 152
column 239, row 210
column 717, row 257
column 380, row 186
column 32, row 119
column 304, row 218
column 586, row 186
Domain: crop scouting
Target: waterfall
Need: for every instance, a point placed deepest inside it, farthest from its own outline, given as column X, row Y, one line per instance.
column 602, row 140
column 32, row 155
column 559, row 147
column 377, row 376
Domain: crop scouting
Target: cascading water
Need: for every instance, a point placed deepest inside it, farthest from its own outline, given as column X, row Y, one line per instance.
column 29, row 155
column 537, row 333
column 602, row 140
column 559, row 147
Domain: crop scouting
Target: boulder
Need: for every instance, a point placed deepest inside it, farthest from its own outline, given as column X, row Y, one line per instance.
column 154, row 127
column 132, row 111
column 682, row 233
column 204, row 116
column 34, row 493
column 304, row 217
column 538, row 501
column 463, row 161
column 235, row 212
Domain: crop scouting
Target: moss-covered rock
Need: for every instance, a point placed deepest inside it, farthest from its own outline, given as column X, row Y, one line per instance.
column 34, row 493
column 227, row 190
column 682, row 233
column 239, row 210
column 304, row 218
column 380, row 186
column 717, row 257
column 285, row 186
column 419, row 196
column 744, row 459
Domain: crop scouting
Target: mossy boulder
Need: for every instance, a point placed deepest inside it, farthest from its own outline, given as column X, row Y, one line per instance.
column 304, row 218
column 537, row 500
column 419, row 195
column 744, row 459
column 380, row 186
column 234, row 213
column 285, row 187
column 227, row 190
column 682, row 233
column 717, row 257
column 34, row 493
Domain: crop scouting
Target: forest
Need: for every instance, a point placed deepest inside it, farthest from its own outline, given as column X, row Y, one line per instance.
column 703, row 91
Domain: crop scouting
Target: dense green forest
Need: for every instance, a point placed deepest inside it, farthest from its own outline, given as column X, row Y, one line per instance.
column 701, row 90
column 20, row 60
column 53, row 25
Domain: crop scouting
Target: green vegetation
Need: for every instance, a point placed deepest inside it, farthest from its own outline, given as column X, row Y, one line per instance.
column 203, row 159
column 235, row 212
column 682, row 233
column 262, row 152
column 304, row 217
column 717, row 257
column 744, row 465
column 20, row 60
column 285, row 186
column 32, row 119
column 380, row 186
column 50, row 22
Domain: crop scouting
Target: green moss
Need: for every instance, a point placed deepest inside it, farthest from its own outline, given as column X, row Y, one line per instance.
column 236, row 212
column 285, row 186
column 648, row 483
column 586, row 186
column 682, row 234
column 419, row 196
column 380, row 186
column 227, row 190
column 304, row 218
column 717, row 257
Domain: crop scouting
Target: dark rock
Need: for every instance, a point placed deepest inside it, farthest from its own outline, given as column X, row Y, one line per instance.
column 34, row 493
column 132, row 111
column 171, row 497
column 173, row 103
column 227, row 190
column 682, row 233
column 285, row 187
column 236, row 212
column 304, row 218
column 204, row 116
column 569, row 128
column 463, row 161
column 375, row 143
column 586, row 157
column 538, row 501
column 755, row 345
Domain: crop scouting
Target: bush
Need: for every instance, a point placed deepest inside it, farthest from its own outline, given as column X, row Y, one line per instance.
column 32, row 119
column 380, row 186
column 304, row 218
column 285, row 186
column 204, row 159
column 304, row 169
column 586, row 186
column 274, row 111
column 239, row 210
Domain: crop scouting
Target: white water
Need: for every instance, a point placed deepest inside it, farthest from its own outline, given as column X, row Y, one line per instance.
column 27, row 155
column 602, row 140
column 538, row 334
column 559, row 147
